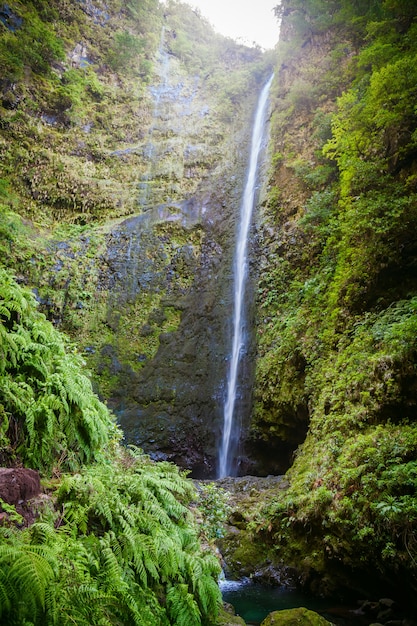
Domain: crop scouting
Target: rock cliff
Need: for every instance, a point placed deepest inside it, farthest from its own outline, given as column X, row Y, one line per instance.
column 124, row 159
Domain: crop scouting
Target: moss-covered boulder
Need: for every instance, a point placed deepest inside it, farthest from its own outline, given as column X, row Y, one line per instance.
column 295, row 617
column 227, row 617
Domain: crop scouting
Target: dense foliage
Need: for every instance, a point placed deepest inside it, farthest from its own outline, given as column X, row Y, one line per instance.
column 44, row 397
column 121, row 548
column 338, row 292
column 115, row 542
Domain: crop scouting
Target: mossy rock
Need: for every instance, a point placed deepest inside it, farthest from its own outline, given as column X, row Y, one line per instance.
column 227, row 617
column 295, row 617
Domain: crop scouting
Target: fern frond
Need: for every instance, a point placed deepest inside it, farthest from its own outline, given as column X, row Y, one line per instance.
column 27, row 572
column 88, row 594
column 111, row 567
column 102, row 508
column 126, row 517
column 12, row 298
column 169, row 555
column 51, row 607
column 8, row 595
column 182, row 608
column 76, row 515
column 157, row 512
column 148, row 554
column 193, row 569
column 32, row 571
column 85, row 605
column 208, row 595
column 211, row 565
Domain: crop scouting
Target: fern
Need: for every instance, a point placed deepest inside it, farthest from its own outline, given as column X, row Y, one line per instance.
column 124, row 548
column 182, row 608
column 207, row 594
column 111, row 567
column 148, row 555
column 29, row 572
column 193, row 568
column 7, row 592
column 119, row 577
column 146, row 542
column 14, row 301
column 43, row 386
column 170, row 558
column 41, row 533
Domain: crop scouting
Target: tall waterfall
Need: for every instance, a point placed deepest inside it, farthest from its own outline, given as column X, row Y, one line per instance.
column 240, row 270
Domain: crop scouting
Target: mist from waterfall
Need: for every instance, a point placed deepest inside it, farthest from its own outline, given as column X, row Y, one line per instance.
column 230, row 424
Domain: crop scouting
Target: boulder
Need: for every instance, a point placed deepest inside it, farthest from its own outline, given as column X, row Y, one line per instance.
column 18, row 484
column 295, row 617
column 227, row 616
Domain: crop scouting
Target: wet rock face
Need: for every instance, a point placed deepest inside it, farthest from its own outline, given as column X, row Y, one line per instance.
column 163, row 329
column 160, row 334
column 167, row 304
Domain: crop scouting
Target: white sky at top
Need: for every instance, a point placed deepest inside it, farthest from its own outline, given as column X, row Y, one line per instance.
column 246, row 20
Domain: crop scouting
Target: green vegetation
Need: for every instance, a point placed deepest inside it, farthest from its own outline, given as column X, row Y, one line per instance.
column 28, row 43
column 83, row 145
column 116, row 542
column 120, row 547
column 214, row 506
column 43, row 396
column 292, row 617
column 337, row 297
column 62, row 64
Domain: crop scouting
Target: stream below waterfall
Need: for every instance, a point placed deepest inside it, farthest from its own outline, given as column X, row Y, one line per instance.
column 254, row 601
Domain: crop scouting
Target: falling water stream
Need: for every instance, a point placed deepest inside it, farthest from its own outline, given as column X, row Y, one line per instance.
column 240, row 270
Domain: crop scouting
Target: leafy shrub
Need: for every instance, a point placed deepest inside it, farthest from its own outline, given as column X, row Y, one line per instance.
column 33, row 45
column 214, row 507
column 126, row 51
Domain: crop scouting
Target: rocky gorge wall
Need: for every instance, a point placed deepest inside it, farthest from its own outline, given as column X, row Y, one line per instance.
column 130, row 211
column 162, row 340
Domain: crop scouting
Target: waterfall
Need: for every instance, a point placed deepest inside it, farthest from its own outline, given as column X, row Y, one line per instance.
column 240, row 270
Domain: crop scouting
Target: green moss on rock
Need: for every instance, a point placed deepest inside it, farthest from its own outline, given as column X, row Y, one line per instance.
column 295, row 617
column 227, row 617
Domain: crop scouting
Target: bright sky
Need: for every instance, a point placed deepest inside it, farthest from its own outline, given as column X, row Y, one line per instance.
column 247, row 20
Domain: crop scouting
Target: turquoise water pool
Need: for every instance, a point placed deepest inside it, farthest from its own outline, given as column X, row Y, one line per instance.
column 254, row 602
